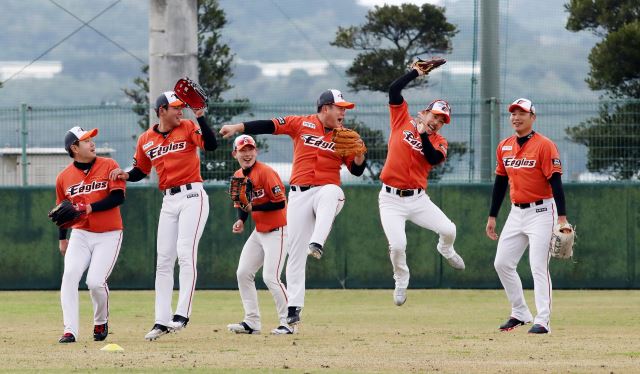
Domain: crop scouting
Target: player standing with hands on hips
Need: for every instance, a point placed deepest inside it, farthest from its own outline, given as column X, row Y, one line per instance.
column 530, row 164
column 267, row 244
column 315, row 198
column 171, row 146
column 89, row 204
column 415, row 147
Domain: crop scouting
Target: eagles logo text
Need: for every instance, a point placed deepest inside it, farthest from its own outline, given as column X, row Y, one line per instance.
column 412, row 140
column 516, row 163
column 318, row 142
column 162, row 150
column 81, row 188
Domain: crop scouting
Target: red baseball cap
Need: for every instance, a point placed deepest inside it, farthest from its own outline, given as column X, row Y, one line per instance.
column 524, row 104
column 440, row 106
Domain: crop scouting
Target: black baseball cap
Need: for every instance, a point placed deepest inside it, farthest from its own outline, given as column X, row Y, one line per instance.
column 334, row 97
column 76, row 134
column 167, row 98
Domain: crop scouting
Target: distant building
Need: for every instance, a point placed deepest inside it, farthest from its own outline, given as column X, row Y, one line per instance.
column 38, row 70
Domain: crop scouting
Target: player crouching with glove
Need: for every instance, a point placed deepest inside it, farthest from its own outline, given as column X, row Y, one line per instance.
column 88, row 202
column 257, row 189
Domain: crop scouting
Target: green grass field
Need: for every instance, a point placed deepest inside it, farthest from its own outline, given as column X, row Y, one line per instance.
column 342, row 331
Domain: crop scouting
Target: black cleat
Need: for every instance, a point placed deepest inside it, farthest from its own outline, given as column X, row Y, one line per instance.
column 100, row 332
column 67, row 338
column 156, row 331
column 293, row 316
column 315, row 250
column 538, row 329
column 511, row 324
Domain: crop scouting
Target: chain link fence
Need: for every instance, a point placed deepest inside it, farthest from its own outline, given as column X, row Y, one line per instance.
column 599, row 141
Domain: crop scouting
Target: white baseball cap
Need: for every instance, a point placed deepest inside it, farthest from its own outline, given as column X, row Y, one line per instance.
column 242, row 141
column 440, row 106
column 334, row 97
column 524, row 104
column 167, row 98
column 76, row 134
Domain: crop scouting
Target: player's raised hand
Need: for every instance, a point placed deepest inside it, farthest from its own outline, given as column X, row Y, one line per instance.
column 228, row 131
column 491, row 228
column 116, row 174
column 199, row 113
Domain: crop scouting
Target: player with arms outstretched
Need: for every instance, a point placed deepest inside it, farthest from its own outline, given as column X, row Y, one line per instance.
column 171, row 147
column 315, row 198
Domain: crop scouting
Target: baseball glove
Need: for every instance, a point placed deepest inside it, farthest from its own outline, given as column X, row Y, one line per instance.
column 240, row 191
column 424, row 67
column 191, row 93
column 347, row 142
column 67, row 214
column 562, row 241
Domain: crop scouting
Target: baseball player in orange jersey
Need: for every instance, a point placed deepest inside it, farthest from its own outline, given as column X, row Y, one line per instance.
column 267, row 245
column 315, row 197
column 171, row 147
column 530, row 164
column 414, row 148
column 95, row 239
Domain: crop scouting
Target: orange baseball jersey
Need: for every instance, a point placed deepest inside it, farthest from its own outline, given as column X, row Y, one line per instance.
column 175, row 156
column 528, row 168
column 406, row 167
column 76, row 186
column 267, row 186
column 314, row 160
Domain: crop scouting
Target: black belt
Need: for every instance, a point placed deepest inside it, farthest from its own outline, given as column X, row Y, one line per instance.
column 276, row 229
column 301, row 188
column 402, row 193
column 177, row 189
column 528, row 205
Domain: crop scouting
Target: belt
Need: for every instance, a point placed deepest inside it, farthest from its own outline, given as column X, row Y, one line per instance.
column 276, row 229
column 528, row 205
column 402, row 193
column 301, row 188
column 177, row 189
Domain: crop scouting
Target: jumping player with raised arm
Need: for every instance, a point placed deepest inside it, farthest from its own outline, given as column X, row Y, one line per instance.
column 171, row 147
column 267, row 244
column 96, row 238
column 315, row 197
column 415, row 147
column 529, row 163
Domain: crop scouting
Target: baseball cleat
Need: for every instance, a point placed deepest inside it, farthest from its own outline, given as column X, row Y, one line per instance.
column 399, row 296
column 511, row 324
column 315, row 250
column 293, row 316
column 178, row 323
column 242, row 328
column 157, row 331
column 100, row 332
column 284, row 330
column 456, row 262
column 67, row 338
column 538, row 329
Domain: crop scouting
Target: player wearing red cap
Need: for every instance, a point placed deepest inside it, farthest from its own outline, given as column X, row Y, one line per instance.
column 529, row 163
column 267, row 244
column 95, row 239
column 315, row 197
column 171, row 147
column 415, row 146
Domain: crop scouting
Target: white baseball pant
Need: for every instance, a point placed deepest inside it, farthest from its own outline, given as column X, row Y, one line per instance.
column 419, row 209
column 180, row 227
column 267, row 250
column 97, row 251
column 310, row 215
column 531, row 226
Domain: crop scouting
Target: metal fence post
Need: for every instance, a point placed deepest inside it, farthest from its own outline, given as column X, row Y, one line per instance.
column 24, row 133
column 495, row 130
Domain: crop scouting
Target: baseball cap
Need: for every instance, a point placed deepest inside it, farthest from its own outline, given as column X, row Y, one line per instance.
column 524, row 104
column 242, row 141
column 334, row 97
column 75, row 134
column 167, row 98
column 440, row 106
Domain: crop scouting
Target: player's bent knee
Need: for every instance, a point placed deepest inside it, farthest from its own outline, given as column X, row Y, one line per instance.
column 245, row 275
column 93, row 284
column 449, row 231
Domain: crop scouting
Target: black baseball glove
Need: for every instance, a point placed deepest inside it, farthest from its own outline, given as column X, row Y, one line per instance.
column 67, row 214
